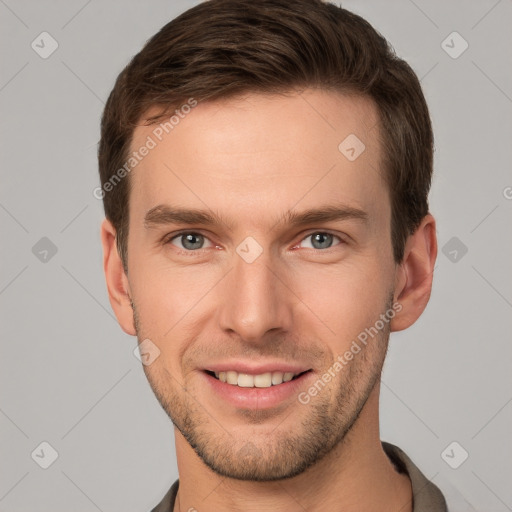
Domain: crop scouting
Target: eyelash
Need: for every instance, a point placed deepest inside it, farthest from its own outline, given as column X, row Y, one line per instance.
column 167, row 240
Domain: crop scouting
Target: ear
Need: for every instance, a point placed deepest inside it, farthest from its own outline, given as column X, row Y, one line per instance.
column 117, row 281
column 414, row 275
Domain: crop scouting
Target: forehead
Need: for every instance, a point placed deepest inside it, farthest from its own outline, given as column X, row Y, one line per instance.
column 264, row 153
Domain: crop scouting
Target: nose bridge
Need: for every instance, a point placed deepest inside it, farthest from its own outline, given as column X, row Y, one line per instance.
column 254, row 300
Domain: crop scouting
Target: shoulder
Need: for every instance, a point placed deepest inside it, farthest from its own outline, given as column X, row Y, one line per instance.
column 167, row 503
column 426, row 495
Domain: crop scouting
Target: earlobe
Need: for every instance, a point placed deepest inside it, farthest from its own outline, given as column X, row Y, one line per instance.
column 116, row 279
column 414, row 276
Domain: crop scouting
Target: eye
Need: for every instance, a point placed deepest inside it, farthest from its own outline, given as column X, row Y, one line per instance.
column 190, row 241
column 320, row 240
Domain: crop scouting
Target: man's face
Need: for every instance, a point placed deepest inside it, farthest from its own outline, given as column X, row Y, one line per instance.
column 255, row 293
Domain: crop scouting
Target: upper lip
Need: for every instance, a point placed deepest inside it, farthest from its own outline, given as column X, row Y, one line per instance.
column 257, row 369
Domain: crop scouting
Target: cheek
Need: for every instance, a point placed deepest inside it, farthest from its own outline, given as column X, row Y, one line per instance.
column 170, row 298
column 344, row 302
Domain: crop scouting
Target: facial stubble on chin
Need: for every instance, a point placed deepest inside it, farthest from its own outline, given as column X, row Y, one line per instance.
column 281, row 453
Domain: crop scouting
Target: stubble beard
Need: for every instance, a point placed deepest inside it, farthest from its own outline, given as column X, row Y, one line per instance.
column 281, row 452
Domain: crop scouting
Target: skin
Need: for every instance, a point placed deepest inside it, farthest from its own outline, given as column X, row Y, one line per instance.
column 251, row 160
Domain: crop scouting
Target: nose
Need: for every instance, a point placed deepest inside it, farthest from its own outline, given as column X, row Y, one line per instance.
column 255, row 300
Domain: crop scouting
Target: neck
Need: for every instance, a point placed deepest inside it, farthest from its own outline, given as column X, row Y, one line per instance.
column 355, row 476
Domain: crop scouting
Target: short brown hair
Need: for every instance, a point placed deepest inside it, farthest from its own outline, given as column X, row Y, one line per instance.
column 222, row 48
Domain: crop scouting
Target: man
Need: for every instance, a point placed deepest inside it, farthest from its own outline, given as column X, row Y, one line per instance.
column 265, row 167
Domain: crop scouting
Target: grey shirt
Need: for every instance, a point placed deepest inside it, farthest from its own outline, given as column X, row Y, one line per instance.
column 426, row 496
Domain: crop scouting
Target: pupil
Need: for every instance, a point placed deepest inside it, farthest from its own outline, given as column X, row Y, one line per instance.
column 322, row 240
column 192, row 241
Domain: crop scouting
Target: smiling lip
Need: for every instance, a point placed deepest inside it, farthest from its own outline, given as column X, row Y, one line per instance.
column 253, row 369
column 258, row 394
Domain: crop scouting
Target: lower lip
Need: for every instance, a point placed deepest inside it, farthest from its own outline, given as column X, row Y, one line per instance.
column 257, row 398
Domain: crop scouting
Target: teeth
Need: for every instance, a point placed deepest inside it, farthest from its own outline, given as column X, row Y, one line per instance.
column 264, row 380
column 245, row 380
column 277, row 378
column 232, row 378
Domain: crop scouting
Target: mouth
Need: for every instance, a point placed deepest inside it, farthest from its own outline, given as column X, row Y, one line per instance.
column 256, row 386
column 262, row 380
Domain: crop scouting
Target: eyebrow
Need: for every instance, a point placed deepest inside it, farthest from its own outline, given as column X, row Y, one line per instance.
column 164, row 214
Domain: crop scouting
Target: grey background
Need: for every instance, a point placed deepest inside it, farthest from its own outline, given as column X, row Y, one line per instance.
column 68, row 373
